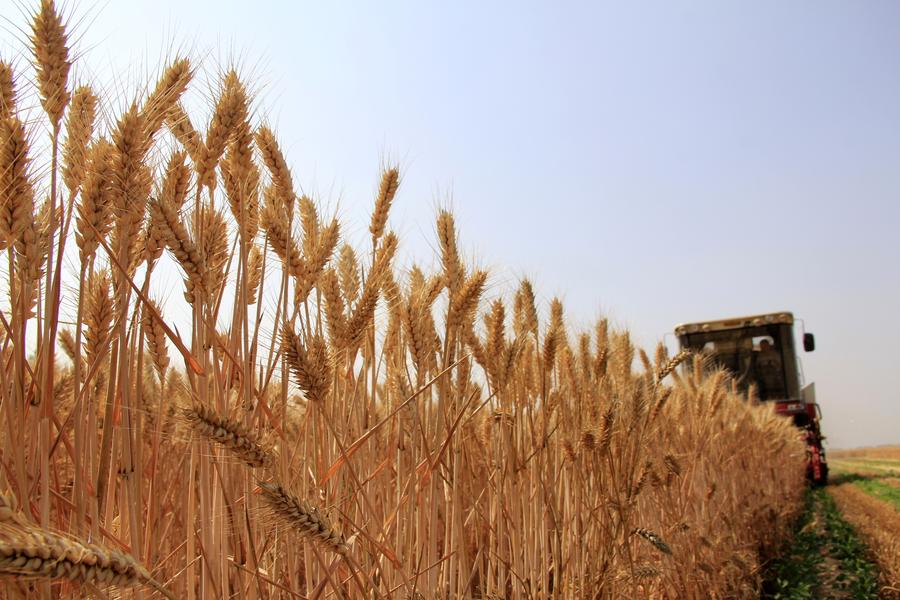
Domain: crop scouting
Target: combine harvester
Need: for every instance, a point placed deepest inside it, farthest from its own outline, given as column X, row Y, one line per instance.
column 759, row 351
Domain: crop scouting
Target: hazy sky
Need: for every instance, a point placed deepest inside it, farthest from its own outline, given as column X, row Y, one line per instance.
column 652, row 162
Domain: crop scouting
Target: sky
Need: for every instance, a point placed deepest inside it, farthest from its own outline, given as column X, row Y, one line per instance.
column 651, row 162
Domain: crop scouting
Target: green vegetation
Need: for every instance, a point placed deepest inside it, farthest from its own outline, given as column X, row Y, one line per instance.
column 825, row 560
column 877, row 485
column 881, row 490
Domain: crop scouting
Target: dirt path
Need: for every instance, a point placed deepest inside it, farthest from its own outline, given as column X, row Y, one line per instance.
column 826, row 560
column 829, row 585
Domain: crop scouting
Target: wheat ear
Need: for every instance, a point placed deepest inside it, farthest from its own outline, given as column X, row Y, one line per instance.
column 7, row 91
column 390, row 181
column 94, row 210
column 465, row 301
column 234, row 436
column 348, row 271
column 241, row 177
column 656, row 541
column 334, row 306
column 254, row 273
column 311, row 267
column 181, row 127
column 79, row 128
column 51, row 56
column 180, row 244
column 230, row 110
column 212, row 243
column 98, row 315
column 32, row 552
column 276, row 221
column 16, row 190
column 275, row 163
column 364, row 312
column 671, row 365
column 166, row 94
column 156, row 339
column 453, row 272
column 303, row 517
column 309, row 364
column 525, row 319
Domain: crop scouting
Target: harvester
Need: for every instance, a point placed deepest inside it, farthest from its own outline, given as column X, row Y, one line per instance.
column 759, row 352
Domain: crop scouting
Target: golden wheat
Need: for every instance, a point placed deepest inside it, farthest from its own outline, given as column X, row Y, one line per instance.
column 475, row 447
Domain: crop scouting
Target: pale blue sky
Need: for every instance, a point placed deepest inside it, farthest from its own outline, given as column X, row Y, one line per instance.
column 655, row 162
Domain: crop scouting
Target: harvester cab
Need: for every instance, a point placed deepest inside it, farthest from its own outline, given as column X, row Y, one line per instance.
column 759, row 351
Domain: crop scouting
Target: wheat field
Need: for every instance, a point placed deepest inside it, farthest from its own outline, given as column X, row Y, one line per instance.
column 867, row 491
column 336, row 422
